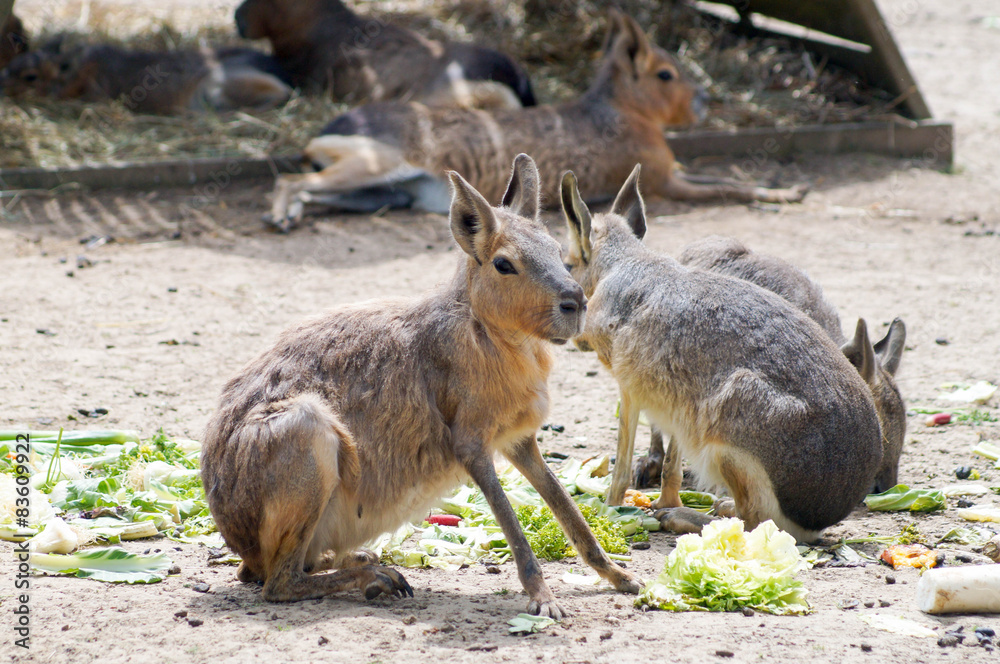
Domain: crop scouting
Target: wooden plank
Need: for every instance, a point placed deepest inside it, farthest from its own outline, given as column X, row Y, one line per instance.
column 887, row 61
column 931, row 141
column 214, row 174
column 834, row 17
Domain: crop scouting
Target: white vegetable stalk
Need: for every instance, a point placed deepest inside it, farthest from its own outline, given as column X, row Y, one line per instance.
column 973, row 589
column 57, row 537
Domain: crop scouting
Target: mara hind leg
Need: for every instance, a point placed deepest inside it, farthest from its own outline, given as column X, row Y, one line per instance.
column 753, row 493
column 748, row 484
column 308, row 456
column 661, row 178
column 348, row 163
column 249, row 88
column 753, row 498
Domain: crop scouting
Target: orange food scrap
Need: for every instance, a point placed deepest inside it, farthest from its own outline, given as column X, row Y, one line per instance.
column 909, row 555
column 635, row 498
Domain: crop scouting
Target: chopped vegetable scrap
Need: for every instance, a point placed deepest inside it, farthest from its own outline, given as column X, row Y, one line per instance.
column 105, row 486
column 902, row 497
column 978, row 393
column 897, row 625
column 115, row 565
column 967, row 536
column 444, row 520
column 988, row 450
column 976, row 513
column 477, row 537
column 938, row 419
column 525, row 623
column 727, row 569
column 636, row 498
column 909, row 555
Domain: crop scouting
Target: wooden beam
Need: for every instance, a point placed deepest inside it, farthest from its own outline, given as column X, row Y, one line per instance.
column 6, row 9
column 931, row 141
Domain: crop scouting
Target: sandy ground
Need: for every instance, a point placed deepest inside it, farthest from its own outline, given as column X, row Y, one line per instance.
column 884, row 237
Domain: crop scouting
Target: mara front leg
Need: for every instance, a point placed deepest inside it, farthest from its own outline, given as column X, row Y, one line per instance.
column 628, row 419
column 527, row 459
column 479, row 464
column 646, row 469
column 671, row 476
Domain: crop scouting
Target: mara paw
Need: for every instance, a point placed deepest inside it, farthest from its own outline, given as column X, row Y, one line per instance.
column 387, row 581
column 547, row 608
column 646, row 471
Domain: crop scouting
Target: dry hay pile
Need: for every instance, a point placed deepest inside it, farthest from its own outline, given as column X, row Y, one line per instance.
column 752, row 81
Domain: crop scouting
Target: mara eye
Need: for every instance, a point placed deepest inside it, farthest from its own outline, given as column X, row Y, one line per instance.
column 64, row 67
column 503, row 266
column 665, row 75
column 30, row 77
column 569, row 268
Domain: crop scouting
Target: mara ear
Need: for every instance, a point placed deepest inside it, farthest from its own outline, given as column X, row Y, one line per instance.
column 472, row 220
column 629, row 204
column 614, row 29
column 522, row 197
column 577, row 217
column 860, row 353
column 889, row 349
column 628, row 44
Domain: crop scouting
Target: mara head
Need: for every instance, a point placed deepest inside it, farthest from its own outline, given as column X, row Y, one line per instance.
column 35, row 73
column 516, row 279
column 276, row 19
column 877, row 365
column 13, row 40
column 642, row 78
column 588, row 234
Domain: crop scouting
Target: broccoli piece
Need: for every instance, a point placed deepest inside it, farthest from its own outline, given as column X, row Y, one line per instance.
column 609, row 534
column 549, row 542
column 544, row 533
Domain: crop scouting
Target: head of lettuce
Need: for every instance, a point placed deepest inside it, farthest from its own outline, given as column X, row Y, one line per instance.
column 727, row 569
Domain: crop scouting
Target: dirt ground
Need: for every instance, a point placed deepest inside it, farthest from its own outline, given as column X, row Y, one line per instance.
column 884, row 237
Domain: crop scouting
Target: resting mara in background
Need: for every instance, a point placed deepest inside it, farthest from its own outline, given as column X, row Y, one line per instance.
column 13, row 40
column 359, row 420
column 876, row 363
column 757, row 397
column 397, row 154
column 324, row 45
column 158, row 82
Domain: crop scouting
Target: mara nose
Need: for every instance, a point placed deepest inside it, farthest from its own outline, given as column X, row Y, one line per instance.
column 573, row 301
